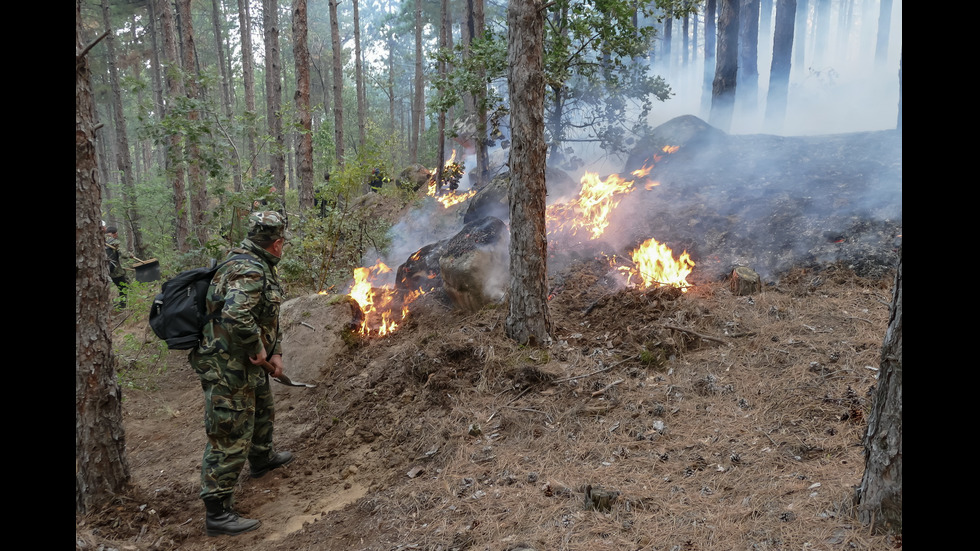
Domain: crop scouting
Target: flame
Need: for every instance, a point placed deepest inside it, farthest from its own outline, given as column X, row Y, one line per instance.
column 654, row 264
column 377, row 304
column 595, row 202
column 451, row 197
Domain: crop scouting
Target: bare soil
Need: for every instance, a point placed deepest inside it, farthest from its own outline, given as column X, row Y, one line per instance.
column 694, row 421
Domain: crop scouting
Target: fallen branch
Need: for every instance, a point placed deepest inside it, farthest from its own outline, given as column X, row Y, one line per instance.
column 603, row 390
column 698, row 335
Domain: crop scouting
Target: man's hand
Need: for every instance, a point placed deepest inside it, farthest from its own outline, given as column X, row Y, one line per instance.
column 276, row 361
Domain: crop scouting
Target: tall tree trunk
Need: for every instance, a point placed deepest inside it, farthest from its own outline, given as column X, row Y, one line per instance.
column 528, row 321
column 480, row 102
column 880, row 494
column 226, row 101
column 782, row 51
column 821, row 32
column 101, row 467
column 748, row 54
column 359, row 80
column 157, row 75
column 441, row 122
column 391, row 85
column 418, row 95
column 338, row 85
column 726, row 67
column 710, row 23
column 898, row 125
column 800, row 38
column 248, row 76
column 273, row 95
column 175, row 153
column 124, row 161
column 198, row 184
column 304, row 149
column 884, row 29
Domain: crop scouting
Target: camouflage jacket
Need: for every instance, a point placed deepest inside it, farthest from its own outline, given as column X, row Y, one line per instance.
column 247, row 294
column 115, row 255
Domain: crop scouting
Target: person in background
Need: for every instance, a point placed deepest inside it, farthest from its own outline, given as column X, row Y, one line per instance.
column 115, row 254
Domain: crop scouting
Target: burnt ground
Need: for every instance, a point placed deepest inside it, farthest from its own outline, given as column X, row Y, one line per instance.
column 694, row 421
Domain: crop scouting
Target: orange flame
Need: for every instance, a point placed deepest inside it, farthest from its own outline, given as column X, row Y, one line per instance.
column 377, row 303
column 654, row 264
column 595, row 202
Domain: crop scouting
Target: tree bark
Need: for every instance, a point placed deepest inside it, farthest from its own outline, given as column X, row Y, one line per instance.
column 101, row 467
column 338, row 85
column 273, row 95
column 226, row 95
column 528, row 321
column 248, row 76
column 198, row 184
column 726, row 67
column 418, row 96
column 175, row 154
column 124, row 161
column 359, row 80
column 880, row 493
column 799, row 49
column 304, row 148
column 884, row 29
column 782, row 52
column 748, row 54
column 710, row 24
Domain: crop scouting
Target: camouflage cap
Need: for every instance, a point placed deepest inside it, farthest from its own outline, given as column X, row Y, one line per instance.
column 266, row 224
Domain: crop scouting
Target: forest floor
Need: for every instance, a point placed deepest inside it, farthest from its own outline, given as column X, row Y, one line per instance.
column 708, row 420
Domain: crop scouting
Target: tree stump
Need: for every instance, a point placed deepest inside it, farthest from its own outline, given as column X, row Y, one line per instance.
column 745, row 281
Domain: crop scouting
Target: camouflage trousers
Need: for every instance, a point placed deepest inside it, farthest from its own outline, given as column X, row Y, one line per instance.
column 238, row 420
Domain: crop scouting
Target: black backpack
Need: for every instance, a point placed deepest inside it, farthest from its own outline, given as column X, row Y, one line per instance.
column 179, row 312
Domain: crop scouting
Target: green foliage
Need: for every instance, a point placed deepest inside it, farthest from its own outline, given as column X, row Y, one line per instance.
column 139, row 356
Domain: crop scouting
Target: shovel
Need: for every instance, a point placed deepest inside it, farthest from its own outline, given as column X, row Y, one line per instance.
column 283, row 379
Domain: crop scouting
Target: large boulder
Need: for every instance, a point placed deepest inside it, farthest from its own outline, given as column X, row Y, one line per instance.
column 413, row 177
column 475, row 265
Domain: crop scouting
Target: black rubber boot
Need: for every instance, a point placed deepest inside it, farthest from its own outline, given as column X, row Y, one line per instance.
column 221, row 519
column 278, row 460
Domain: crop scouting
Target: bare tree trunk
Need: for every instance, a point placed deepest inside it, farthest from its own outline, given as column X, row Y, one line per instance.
column 799, row 41
column 338, row 85
column 124, row 162
column 198, row 184
column 884, row 29
column 417, row 98
column 101, row 467
column 726, row 67
column 441, row 122
column 748, row 57
column 782, row 51
column 304, row 149
column 480, row 100
column 710, row 24
column 175, row 157
column 273, row 95
column 528, row 321
column 359, row 80
column 248, row 76
column 157, row 78
column 226, row 95
column 880, row 494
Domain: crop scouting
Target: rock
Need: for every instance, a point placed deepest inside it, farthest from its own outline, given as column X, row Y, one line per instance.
column 413, row 177
column 475, row 265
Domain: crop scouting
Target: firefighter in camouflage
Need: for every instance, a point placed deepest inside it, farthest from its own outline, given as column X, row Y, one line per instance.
column 241, row 347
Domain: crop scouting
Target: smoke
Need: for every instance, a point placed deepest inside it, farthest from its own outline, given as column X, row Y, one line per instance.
column 844, row 91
